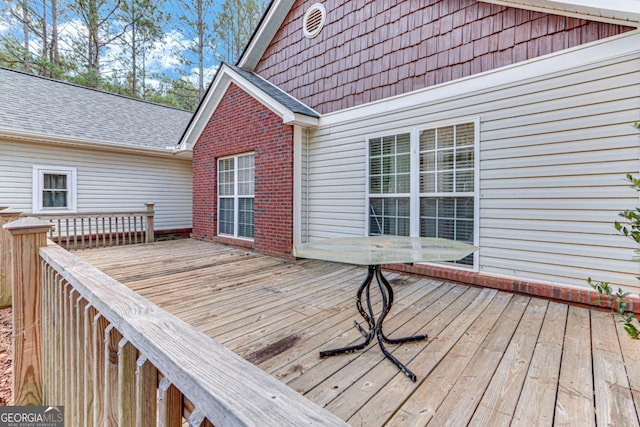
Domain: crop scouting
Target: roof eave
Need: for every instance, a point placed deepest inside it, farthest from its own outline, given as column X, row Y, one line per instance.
column 619, row 12
column 14, row 135
column 269, row 26
column 298, row 119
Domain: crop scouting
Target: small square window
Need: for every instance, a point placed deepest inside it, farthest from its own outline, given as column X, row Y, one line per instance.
column 54, row 189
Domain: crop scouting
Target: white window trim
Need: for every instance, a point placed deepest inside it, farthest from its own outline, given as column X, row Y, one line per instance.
column 37, row 187
column 367, row 201
column 414, row 195
column 236, row 197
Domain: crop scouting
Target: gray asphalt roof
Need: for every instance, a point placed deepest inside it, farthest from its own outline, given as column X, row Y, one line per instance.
column 37, row 105
column 280, row 96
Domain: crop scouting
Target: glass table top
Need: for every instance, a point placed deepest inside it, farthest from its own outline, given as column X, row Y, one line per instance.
column 378, row 250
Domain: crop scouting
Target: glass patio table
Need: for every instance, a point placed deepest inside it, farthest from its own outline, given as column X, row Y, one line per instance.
column 374, row 252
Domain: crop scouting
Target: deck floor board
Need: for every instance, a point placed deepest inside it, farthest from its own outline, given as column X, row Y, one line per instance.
column 492, row 358
column 501, row 396
column 423, row 403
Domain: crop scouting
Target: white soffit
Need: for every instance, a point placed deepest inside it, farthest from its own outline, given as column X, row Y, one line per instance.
column 622, row 12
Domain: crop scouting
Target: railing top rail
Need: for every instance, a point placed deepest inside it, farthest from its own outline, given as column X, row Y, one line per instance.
column 90, row 214
column 227, row 389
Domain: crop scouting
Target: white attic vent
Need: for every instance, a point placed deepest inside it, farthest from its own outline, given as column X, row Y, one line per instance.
column 313, row 20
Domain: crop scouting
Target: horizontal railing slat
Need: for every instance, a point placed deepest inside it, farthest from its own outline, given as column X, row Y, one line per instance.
column 115, row 214
column 225, row 388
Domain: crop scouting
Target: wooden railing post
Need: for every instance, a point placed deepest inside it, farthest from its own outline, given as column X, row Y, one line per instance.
column 28, row 235
column 6, row 215
column 150, row 235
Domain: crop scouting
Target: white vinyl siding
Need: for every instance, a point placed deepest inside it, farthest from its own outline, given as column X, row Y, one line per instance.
column 106, row 181
column 553, row 153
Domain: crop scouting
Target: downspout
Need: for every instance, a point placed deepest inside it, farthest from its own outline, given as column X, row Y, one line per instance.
column 306, row 178
column 297, row 184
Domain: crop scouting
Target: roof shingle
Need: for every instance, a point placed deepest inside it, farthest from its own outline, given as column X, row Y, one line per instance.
column 275, row 93
column 35, row 105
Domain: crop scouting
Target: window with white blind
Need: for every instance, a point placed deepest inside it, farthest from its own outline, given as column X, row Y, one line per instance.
column 235, row 196
column 442, row 200
column 54, row 189
column 447, row 181
column 389, row 185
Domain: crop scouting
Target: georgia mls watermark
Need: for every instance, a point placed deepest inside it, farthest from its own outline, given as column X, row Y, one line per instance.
column 31, row 416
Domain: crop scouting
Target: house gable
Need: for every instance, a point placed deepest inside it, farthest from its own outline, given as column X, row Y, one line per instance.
column 241, row 124
column 552, row 126
column 289, row 109
column 371, row 50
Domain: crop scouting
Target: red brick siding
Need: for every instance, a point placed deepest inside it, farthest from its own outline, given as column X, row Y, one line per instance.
column 239, row 125
column 373, row 49
column 585, row 296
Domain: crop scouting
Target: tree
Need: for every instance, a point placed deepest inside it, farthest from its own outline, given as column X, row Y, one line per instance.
column 44, row 25
column 47, row 16
column 100, row 30
column 54, row 52
column 178, row 93
column 25, row 30
column 143, row 20
column 235, row 22
column 13, row 54
column 38, row 39
column 15, row 48
column 106, row 44
column 193, row 19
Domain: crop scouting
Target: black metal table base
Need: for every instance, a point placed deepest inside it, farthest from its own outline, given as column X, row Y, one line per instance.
column 375, row 325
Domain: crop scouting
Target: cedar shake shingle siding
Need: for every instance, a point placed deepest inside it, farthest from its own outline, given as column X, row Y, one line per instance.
column 373, row 49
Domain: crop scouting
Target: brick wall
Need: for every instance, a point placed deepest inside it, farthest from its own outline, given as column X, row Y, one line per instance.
column 374, row 49
column 239, row 125
column 578, row 296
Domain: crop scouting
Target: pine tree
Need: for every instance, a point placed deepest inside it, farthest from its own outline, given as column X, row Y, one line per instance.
column 236, row 21
column 193, row 19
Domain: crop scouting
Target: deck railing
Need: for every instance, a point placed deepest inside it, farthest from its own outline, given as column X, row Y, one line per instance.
column 111, row 357
column 101, row 229
column 78, row 231
column 6, row 215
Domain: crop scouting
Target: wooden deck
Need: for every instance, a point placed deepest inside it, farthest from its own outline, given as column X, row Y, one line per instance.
column 493, row 359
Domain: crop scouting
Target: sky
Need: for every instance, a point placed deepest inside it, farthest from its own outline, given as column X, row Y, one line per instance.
column 163, row 58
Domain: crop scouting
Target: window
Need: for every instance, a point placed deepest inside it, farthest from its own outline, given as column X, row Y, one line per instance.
column 235, row 196
column 54, row 189
column 389, row 185
column 437, row 198
column 447, row 180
